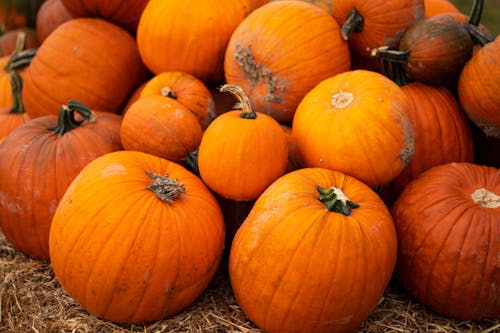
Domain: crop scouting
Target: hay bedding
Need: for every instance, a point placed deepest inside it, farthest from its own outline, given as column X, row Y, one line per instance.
column 31, row 300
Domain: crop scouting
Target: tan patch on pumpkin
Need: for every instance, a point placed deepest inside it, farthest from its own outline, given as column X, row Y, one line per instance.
column 409, row 140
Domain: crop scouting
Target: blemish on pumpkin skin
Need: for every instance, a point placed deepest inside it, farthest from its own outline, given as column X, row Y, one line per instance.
column 112, row 170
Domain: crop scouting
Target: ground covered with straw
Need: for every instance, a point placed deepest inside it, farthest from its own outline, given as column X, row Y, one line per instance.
column 31, row 300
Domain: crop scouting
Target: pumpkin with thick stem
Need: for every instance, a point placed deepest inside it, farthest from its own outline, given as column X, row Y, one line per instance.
column 315, row 254
column 277, row 59
column 39, row 160
column 448, row 227
column 148, row 247
column 242, row 151
column 14, row 116
column 355, row 122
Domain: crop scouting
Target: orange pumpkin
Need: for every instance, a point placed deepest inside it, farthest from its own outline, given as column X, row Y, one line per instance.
column 8, row 40
column 88, row 59
column 315, row 254
column 14, row 116
column 447, row 223
column 176, row 36
column 184, row 88
column 160, row 126
column 45, row 155
column 242, row 151
column 436, row 7
column 355, row 122
column 276, row 58
column 52, row 13
column 149, row 246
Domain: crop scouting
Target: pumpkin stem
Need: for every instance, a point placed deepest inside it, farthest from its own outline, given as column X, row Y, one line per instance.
column 478, row 36
column 67, row 120
column 397, row 56
column 168, row 92
column 485, row 198
column 336, row 201
column 394, row 71
column 166, row 189
column 244, row 101
column 22, row 59
column 16, row 83
column 353, row 23
column 476, row 12
column 20, row 45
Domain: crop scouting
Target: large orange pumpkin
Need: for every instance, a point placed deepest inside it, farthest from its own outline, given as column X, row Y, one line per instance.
column 315, row 254
column 448, row 227
column 38, row 161
column 88, row 59
column 356, row 122
column 280, row 51
column 149, row 245
column 52, row 13
column 242, row 151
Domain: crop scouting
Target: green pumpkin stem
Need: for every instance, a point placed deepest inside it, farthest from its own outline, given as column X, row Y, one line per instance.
column 396, row 56
column 20, row 45
column 22, row 59
column 166, row 189
column 244, row 101
column 353, row 23
column 16, row 83
column 336, row 201
column 478, row 35
column 395, row 72
column 476, row 12
column 67, row 121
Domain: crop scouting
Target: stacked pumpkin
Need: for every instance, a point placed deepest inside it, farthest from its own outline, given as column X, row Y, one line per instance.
column 318, row 155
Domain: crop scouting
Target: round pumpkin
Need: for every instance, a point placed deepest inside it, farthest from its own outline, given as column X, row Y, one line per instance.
column 315, row 254
column 160, row 126
column 88, row 59
column 355, row 122
column 148, row 247
column 242, row 151
column 448, row 227
column 280, row 51
column 39, row 159
column 14, row 116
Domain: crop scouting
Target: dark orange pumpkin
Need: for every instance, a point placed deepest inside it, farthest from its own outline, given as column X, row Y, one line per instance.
column 14, row 116
column 88, row 59
column 8, row 40
column 315, row 254
column 435, row 7
column 448, row 227
column 52, row 13
column 38, row 161
column 280, row 51
column 149, row 246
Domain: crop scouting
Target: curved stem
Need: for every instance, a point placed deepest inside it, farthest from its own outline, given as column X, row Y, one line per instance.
column 396, row 56
column 16, row 83
column 476, row 12
column 336, row 201
column 166, row 189
column 67, row 121
column 22, row 59
column 353, row 23
column 478, row 35
column 20, row 45
column 247, row 111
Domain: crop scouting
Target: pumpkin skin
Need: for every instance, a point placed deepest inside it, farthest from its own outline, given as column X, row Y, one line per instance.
column 160, row 126
column 291, row 251
column 37, row 165
column 436, row 7
column 347, row 122
column 14, row 116
column 87, row 59
column 133, row 257
column 185, row 89
column 8, row 40
column 175, row 36
column 125, row 13
column 52, row 13
column 482, row 103
column 242, row 152
column 276, row 59
column 449, row 240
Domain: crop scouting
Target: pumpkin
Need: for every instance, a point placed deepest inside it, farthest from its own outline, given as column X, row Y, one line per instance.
column 125, row 13
column 184, row 88
column 52, row 13
column 242, row 151
column 39, row 159
column 14, row 116
column 436, row 7
column 160, row 126
column 349, row 121
column 8, row 40
column 315, row 254
column 447, row 223
column 481, row 101
column 175, row 36
column 276, row 59
column 88, row 59
column 149, row 246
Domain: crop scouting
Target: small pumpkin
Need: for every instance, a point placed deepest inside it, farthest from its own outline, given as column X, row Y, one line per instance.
column 52, row 13
column 348, row 122
column 160, row 126
column 447, row 223
column 14, row 116
column 38, row 161
column 242, row 151
column 149, row 246
column 315, row 254
column 276, row 58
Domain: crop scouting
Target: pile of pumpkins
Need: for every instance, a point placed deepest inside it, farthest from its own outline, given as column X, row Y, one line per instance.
column 324, row 146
